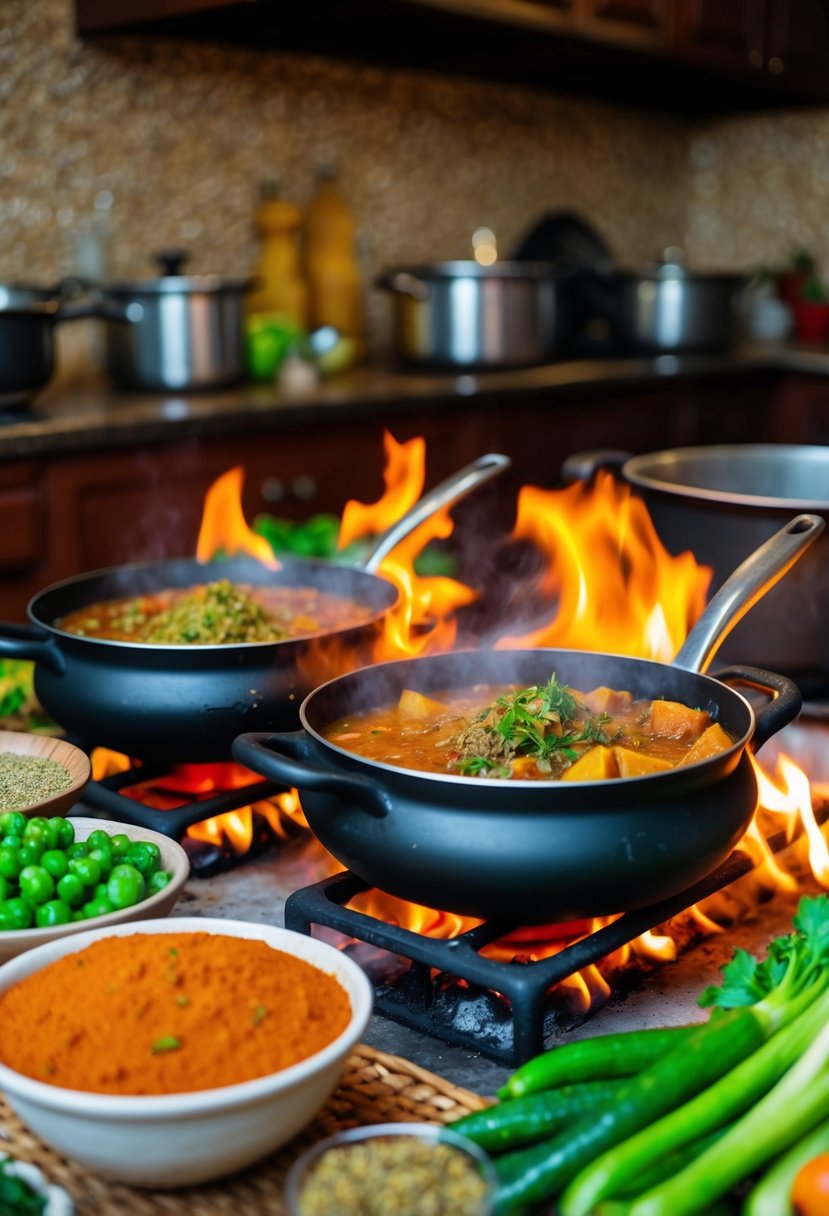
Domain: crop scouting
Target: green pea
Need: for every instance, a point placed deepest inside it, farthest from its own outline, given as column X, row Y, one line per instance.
column 79, row 849
column 126, row 886
column 10, row 863
column 12, row 823
column 71, row 890
column 86, row 868
column 15, row 914
column 6, row 888
column 99, row 839
column 99, row 891
column 158, row 881
column 97, row 907
column 144, row 856
column 103, row 856
column 30, row 852
column 35, row 826
column 35, row 833
column 56, row 862
column 53, row 912
column 66, row 831
column 59, row 833
column 120, row 843
column 36, row 884
column 14, row 841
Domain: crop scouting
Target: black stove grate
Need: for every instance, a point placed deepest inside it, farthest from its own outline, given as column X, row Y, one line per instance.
column 503, row 1008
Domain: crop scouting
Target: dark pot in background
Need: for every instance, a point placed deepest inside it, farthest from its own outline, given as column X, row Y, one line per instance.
column 28, row 316
column 463, row 315
column 185, row 332
column 722, row 501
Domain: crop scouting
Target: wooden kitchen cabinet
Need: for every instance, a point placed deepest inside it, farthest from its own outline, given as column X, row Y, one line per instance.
column 692, row 56
column 781, row 43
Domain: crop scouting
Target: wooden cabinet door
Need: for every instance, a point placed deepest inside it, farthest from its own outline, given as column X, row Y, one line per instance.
column 729, row 37
column 797, row 44
column 640, row 22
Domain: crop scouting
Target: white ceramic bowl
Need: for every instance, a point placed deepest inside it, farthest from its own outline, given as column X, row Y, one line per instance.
column 173, row 1140
column 173, row 859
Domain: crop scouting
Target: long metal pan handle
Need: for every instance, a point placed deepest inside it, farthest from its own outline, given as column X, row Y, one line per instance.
column 287, row 758
column 742, row 589
column 448, row 492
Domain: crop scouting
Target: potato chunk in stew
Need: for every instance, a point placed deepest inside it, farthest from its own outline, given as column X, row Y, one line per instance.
column 541, row 733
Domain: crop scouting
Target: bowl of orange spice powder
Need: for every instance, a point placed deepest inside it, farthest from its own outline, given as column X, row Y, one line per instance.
column 170, row 1052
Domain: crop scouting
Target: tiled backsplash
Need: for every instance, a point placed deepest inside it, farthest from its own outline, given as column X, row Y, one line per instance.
column 169, row 142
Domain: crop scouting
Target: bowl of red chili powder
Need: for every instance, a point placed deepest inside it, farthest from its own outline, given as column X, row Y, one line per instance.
column 170, row 1052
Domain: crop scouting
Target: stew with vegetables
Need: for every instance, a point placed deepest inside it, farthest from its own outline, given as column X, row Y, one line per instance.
column 216, row 613
column 545, row 732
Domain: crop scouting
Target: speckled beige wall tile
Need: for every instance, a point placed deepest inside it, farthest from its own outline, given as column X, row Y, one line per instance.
column 760, row 189
column 170, row 140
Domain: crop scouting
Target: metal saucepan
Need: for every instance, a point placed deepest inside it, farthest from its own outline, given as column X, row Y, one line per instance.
column 187, row 332
column 188, row 703
column 542, row 851
column 722, row 500
column 462, row 314
column 664, row 307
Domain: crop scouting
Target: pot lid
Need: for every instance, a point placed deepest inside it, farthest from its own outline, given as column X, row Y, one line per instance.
column 173, row 282
column 670, row 266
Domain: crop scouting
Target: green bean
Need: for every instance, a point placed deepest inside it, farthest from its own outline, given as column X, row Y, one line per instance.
column 609, row 1055
column 525, row 1120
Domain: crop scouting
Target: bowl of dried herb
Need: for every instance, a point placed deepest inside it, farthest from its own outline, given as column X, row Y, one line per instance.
column 40, row 775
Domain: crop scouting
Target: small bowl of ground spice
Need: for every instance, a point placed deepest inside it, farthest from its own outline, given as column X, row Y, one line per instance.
column 171, row 1052
column 392, row 1169
column 40, row 775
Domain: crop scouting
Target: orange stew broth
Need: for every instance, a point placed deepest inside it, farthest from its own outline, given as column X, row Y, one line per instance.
column 643, row 736
column 288, row 612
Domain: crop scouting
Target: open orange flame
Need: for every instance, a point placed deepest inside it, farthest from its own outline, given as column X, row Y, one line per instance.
column 607, row 583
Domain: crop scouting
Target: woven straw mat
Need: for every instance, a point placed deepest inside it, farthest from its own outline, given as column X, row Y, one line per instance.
column 374, row 1088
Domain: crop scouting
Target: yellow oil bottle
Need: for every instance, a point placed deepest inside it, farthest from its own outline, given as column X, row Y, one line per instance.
column 335, row 283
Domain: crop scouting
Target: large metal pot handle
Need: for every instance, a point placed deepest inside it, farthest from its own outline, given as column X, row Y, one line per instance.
column 786, row 703
column 760, row 571
column 404, row 283
column 288, row 759
column 29, row 642
column 448, row 492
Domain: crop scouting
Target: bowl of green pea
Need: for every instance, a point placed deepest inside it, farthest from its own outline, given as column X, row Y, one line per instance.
column 61, row 876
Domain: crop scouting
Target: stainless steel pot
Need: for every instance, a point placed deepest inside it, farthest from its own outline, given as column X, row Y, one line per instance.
column 720, row 502
column 461, row 314
column 665, row 308
column 185, row 332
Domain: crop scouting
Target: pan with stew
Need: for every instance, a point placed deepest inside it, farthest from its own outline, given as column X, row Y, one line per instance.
column 488, row 814
column 172, row 660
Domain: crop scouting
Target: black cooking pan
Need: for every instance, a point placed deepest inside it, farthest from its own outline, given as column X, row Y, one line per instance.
column 188, row 703
column 545, row 851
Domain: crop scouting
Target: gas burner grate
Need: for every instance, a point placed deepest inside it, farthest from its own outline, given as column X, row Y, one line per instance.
column 106, row 797
column 502, row 1010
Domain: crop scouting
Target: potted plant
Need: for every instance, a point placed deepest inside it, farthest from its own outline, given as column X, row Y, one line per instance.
column 811, row 311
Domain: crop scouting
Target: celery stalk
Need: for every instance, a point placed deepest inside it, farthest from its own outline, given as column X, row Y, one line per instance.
column 612, row 1172
column 772, row 1194
column 793, row 1107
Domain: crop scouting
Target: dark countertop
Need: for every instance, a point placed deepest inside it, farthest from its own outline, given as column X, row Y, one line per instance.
column 95, row 415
